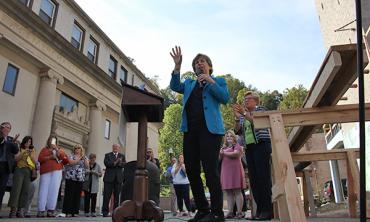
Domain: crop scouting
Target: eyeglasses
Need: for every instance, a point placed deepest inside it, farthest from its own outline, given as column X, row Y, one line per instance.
column 77, row 148
column 6, row 126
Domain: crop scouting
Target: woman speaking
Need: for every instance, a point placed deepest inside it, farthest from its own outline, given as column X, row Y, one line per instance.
column 203, row 129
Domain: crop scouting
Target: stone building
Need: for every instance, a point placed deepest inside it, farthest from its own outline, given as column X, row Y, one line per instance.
column 60, row 73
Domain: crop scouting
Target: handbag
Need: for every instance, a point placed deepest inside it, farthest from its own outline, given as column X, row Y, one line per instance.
column 33, row 174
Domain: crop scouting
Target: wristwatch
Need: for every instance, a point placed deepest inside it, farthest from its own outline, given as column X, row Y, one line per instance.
column 245, row 113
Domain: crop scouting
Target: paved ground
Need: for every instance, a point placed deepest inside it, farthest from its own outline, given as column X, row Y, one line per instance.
column 168, row 217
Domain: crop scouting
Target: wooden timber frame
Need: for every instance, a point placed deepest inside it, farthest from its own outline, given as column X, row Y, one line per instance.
column 335, row 76
column 285, row 188
column 353, row 177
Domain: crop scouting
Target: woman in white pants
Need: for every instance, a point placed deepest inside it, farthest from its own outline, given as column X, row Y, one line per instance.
column 51, row 160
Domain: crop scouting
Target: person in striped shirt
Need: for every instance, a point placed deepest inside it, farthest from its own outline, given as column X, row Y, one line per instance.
column 258, row 153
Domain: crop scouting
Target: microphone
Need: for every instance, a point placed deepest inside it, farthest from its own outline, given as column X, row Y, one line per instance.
column 198, row 72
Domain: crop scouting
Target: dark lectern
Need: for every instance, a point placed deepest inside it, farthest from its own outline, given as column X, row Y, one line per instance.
column 143, row 107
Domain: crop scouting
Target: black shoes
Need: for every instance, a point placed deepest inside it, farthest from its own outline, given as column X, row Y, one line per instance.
column 264, row 216
column 198, row 216
column 212, row 217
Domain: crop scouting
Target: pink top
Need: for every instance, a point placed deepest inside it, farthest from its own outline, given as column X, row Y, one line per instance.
column 232, row 172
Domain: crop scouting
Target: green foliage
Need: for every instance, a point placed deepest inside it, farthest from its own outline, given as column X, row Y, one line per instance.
column 270, row 100
column 228, row 116
column 293, row 98
column 170, row 97
column 240, row 95
column 188, row 75
column 165, row 190
column 170, row 135
column 234, row 85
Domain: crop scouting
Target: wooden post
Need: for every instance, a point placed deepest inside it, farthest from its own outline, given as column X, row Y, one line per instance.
column 275, row 204
column 353, row 179
column 306, row 206
column 285, row 189
column 308, row 185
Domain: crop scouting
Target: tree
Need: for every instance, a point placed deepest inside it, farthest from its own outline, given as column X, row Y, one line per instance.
column 170, row 135
column 188, row 75
column 240, row 95
column 270, row 100
column 228, row 116
column 154, row 81
column 170, row 97
column 234, row 85
column 293, row 98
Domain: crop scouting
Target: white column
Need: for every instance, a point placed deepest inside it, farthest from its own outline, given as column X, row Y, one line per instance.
column 96, row 135
column 42, row 119
column 337, row 182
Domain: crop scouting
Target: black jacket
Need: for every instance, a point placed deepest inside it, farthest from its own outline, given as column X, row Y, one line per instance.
column 11, row 150
column 113, row 172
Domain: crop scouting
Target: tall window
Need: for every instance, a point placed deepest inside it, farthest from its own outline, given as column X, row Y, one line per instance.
column 47, row 11
column 107, row 129
column 67, row 103
column 123, row 74
column 25, row 2
column 77, row 36
column 112, row 69
column 92, row 50
column 10, row 81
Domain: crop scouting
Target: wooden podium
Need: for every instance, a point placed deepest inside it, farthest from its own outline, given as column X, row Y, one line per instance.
column 142, row 107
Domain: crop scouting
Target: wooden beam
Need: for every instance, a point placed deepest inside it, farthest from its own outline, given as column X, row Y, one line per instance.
column 351, row 191
column 306, row 206
column 278, row 190
column 333, row 90
column 353, row 167
column 309, row 190
column 300, row 173
column 324, row 155
column 290, row 206
column 313, row 116
column 322, row 83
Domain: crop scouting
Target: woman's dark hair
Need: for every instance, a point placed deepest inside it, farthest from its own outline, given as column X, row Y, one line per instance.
column 25, row 140
column 208, row 60
column 48, row 142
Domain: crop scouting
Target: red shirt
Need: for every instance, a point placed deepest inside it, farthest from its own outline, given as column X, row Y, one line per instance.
column 49, row 165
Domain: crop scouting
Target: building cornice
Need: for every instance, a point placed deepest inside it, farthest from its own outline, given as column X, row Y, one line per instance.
column 115, row 48
column 30, row 20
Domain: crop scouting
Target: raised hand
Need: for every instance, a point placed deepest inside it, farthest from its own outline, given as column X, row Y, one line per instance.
column 15, row 139
column 177, row 57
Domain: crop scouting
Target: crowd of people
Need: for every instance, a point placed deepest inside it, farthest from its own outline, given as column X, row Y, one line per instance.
column 222, row 155
column 21, row 171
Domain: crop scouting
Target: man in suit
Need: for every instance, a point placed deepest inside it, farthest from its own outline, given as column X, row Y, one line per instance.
column 8, row 148
column 113, row 177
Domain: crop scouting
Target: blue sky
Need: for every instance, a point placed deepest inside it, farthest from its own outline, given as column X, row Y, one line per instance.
column 269, row 44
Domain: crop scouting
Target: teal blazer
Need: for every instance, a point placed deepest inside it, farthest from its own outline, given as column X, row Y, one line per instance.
column 213, row 96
